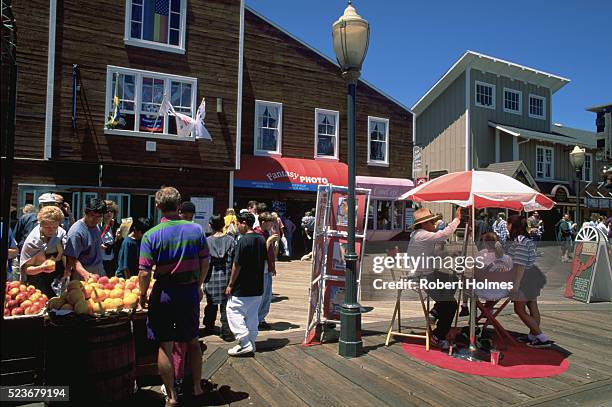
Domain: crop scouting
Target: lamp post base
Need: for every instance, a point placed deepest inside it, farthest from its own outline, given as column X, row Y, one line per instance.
column 350, row 345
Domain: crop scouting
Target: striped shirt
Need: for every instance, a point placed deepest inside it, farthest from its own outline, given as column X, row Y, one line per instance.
column 501, row 230
column 523, row 252
column 174, row 247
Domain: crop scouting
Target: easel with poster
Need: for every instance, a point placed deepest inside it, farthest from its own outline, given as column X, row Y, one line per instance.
column 590, row 277
column 326, row 291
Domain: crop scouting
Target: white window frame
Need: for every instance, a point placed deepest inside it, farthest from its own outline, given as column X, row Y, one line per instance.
column 493, row 94
column 168, row 78
column 279, row 142
column 137, row 42
column 590, row 155
column 534, row 116
column 316, row 132
column 385, row 162
column 552, row 163
column 520, row 101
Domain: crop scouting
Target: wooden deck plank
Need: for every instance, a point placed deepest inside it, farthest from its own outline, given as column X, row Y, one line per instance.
column 267, row 386
column 438, row 378
column 595, row 394
column 344, row 388
column 234, row 389
column 311, row 391
column 361, row 378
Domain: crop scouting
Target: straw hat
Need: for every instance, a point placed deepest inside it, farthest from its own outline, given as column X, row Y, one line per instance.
column 424, row 215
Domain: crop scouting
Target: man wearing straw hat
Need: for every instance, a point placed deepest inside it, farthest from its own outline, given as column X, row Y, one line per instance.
column 422, row 244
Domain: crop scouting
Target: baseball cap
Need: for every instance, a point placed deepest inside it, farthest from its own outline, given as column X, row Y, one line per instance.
column 46, row 198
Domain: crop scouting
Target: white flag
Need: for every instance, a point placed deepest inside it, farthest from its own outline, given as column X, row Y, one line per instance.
column 200, row 129
column 184, row 124
column 165, row 107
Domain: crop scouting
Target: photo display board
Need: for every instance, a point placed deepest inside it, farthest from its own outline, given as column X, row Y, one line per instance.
column 326, row 291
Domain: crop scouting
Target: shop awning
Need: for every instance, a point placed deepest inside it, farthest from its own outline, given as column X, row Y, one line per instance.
column 291, row 174
column 384, row 188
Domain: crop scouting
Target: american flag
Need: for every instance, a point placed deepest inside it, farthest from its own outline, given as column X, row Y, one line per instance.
column 162, row 9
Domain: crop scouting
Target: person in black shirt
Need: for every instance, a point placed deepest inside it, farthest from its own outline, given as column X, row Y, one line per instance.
column 245, row 286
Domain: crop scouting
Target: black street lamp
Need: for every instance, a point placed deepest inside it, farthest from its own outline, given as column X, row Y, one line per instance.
column 577, row 160
column 350, row 35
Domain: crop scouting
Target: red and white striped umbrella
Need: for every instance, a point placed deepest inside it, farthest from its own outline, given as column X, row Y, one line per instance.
column 483, row 189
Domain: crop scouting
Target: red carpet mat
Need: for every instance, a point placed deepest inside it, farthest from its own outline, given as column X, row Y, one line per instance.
column 518, row 362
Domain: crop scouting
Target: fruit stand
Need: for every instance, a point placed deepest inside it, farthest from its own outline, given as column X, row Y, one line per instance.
column 91, row 338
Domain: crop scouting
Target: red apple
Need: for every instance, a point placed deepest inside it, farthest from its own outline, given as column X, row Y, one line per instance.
column 14, row 284
column 109, row 286
column 7, row 297
column 21, row 297
column 7, row 312
column 17, row 311
column 103, row 280
column 11, row 304
column 32, row 310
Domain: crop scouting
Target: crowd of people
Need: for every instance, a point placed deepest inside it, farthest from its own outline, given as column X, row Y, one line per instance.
column 232, row 268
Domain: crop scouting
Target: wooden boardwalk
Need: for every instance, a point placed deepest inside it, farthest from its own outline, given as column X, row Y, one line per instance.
column 284, row 373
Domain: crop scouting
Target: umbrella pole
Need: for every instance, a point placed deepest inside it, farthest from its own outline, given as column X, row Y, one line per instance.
column 472, row 298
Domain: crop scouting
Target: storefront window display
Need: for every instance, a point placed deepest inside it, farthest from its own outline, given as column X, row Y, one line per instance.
column 386, row 215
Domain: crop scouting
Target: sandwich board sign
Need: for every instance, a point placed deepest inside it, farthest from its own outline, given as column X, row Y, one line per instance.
column 590, row 277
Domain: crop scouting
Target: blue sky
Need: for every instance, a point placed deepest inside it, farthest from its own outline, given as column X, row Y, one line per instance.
column 413, row 43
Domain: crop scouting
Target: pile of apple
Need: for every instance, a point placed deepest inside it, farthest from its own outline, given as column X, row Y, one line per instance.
column 20, row 299
column 98, row 294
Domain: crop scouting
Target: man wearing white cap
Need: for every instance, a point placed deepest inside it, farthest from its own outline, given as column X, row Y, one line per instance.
column 422, row 244
column 27, row 222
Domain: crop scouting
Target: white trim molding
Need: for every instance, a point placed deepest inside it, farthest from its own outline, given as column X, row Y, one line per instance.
column 385, row 162
column 158, row 46
column 47, row 149
column 519, row 102
column 239, row 100
column 534, row 116
column 484, row 84
column 336, row 114
column 279, row 129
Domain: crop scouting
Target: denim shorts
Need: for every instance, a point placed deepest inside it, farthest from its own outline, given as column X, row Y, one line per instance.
column 174, row 312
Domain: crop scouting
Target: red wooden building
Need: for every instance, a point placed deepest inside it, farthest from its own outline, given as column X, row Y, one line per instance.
column 275, row 108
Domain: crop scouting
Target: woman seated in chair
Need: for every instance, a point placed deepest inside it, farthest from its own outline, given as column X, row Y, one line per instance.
column 497, row 268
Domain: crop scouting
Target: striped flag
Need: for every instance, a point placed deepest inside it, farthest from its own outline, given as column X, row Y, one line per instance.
column 160, row 30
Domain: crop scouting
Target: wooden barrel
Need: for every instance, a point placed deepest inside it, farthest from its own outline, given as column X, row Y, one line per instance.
column 110, row 360
column 95, row 358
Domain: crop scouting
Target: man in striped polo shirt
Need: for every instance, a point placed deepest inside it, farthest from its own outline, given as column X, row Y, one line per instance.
column 179, row 252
